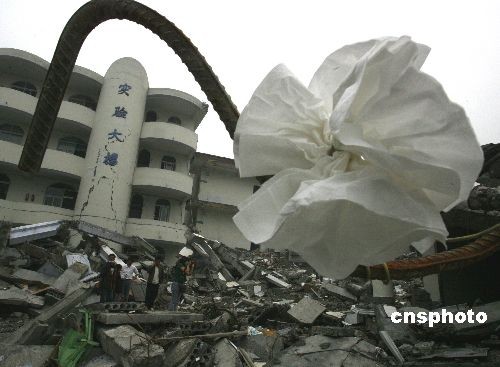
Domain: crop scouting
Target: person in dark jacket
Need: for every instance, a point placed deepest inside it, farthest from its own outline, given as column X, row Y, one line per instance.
column 155, row 277
column 117, row 283
column 106, row 283
column 183, row 267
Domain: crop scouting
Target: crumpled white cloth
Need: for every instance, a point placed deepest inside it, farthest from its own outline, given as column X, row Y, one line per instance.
column 364, row 159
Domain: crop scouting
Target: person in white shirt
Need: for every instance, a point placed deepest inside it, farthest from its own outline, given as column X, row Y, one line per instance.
column 128, row 273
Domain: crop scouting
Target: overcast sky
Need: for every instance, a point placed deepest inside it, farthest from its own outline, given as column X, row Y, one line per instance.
column 243, row 41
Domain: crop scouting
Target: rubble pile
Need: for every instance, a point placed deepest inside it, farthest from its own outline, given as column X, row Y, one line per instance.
column 239, row 308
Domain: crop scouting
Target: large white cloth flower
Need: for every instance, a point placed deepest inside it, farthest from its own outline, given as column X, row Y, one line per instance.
column 363, row 160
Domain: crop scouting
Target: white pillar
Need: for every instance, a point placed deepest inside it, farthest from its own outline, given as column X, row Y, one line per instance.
column 106, row 185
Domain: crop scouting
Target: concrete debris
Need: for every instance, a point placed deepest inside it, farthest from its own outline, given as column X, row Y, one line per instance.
column 491, row 324
column 33, row 277
column 226, row 355
column 319, row 350
column 399, row 332
column 458, row 353
column 339, row 291
column 276, row 281
column 238, row 308
column 386, row 338
column 307, row 310
column 102, row 360
column 20, row 297
column 151, row 317
column 130, row 347
column 383, row 292
column 25, row 355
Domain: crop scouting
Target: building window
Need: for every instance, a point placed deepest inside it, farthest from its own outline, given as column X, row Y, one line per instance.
column 168, row 162
column 72, row 145
column 60, row 195
column 174, row 120
column 12, row 133
column 83, row 100
column 25, row 87
column 4, row 186
column 144, row 158
column 162, row 210
column 135, row 210
column 151, row 116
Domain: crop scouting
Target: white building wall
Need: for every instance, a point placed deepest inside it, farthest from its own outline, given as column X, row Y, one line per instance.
column 181, row 165
column 176, row 209
column 220, row 186
column 22, row 186
column 218, row 225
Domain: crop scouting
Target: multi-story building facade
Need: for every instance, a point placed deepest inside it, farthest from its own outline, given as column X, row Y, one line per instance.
column 119, row 155
column 217, row 191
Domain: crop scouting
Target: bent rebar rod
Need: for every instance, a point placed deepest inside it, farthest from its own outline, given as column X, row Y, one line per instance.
column 74, row 34
column 96, row 12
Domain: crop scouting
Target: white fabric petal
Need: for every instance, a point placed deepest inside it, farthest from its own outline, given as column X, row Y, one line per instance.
column 259, row 216
column 282, row 126
column 351, row 219
column 420, row 137
column 344, row 72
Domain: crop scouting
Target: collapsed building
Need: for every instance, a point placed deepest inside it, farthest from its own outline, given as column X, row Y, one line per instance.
column 240, row 308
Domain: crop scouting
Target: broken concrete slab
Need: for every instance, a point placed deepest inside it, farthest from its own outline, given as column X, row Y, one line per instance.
column 20, row 297
column 71, row 275
column 102, row 360
column 226, row 355
column 266, row 348
column 276, row 281
column 355, row 289
column 118, row 306
column 400, row 332
column 39, row 329
column 251, row 302
column 33, row 277
column 51, row 270
column 386, row 338
column 247, row 264
column 68, row 281
column 307, row 310
column 151, row 317
column 353, row 318
column 452, row 353
column 25, row 355
column 249, row 274
column 382, row 292
column 319, row 350
column 339, row 291
column 180, row 352
column 130, row 347
column 216, row 261
column 475, row 329
column 334, row 331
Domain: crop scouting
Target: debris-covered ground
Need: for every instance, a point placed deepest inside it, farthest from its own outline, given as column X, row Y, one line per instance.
column 240, row 308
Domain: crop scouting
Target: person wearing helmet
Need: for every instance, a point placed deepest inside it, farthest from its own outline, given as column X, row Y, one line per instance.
column 182, row 268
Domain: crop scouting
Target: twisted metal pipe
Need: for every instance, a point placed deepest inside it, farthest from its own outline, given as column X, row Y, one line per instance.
column 96, row 12
column 456, row 259
column 74, row 34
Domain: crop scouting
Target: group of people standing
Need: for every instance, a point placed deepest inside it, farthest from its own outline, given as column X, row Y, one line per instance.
column 115, row 280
